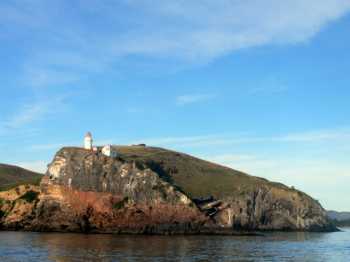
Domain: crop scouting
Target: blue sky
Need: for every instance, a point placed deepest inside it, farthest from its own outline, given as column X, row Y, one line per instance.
column 261, row 86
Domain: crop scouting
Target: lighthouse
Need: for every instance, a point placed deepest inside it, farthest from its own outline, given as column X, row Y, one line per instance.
column 88, row 141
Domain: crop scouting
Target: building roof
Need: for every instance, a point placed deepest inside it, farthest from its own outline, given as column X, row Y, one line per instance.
column 88, row 134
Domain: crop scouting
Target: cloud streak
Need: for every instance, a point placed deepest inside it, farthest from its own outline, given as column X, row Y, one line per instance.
column 318, row 136
column 193, row 98
column 191, row 32
column 29, row 113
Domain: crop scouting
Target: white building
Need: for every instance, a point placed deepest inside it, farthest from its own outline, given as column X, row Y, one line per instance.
column 88, row 141
column 109, row 151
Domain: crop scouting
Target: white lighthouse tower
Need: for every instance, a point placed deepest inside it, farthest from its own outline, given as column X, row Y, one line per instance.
column 88, row 141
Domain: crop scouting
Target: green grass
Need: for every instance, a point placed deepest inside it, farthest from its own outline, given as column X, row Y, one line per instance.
column 12, row 176
column 196, row 177
column 30, row 196
column 121, row 204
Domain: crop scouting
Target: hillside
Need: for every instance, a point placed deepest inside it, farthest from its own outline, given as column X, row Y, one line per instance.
column 156, row 191
column 342, row 223
column 341, row 219
column 11, row 176
column 196, row 177
column 340, row 216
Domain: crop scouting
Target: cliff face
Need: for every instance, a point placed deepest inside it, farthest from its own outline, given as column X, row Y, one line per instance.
column 146, row 190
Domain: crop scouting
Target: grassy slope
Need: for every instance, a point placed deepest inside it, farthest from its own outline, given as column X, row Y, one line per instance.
column 344, row 223
column 197, row 177
column 341, row 219
column 11, row 176
column 340, row 216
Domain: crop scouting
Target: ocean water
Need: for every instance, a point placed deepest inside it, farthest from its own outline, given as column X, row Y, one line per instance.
column 22, row 246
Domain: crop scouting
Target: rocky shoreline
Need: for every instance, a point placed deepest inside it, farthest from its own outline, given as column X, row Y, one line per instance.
column 86, row 192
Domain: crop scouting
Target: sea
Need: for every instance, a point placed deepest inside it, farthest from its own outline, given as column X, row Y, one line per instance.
column 282, row 246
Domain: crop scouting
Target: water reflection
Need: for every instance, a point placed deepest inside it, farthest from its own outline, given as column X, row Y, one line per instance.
column 16, row 246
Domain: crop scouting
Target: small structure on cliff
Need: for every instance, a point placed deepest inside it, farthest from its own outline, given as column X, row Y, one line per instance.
column 109, row 151
column 88, row 141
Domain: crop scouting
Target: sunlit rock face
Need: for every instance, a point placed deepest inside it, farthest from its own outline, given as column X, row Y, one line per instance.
column 55, row 169
column 83, row 170
column 86, row 191
column 92, row 192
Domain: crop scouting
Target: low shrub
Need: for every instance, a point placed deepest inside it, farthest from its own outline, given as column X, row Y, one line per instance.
column 30, row 196
column 121, row 204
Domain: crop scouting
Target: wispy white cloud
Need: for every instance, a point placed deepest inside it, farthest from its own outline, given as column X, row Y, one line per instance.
column 29, row 113
column 26, row 115
column 193, row 98
column 37, row 77
column 175, row 141
column 316, row 136
column 207, row 29
column 193, row 32
column 135, row 110
column 271, row 85
column 264, row 90
column 326, row 135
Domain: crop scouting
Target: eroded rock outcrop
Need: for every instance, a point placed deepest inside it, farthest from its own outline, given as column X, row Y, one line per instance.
column 85, row 191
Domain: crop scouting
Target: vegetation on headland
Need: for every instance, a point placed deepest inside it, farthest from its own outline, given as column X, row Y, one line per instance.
column 149, row 190
column 30, row 196
column 196, row 177
column 340, row 219
column 12, row 176
column 344, row 223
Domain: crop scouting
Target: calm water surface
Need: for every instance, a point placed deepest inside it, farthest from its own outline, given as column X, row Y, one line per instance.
column 19, row 246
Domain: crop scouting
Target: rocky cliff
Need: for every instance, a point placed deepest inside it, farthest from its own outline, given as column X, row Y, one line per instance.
column 152, row 190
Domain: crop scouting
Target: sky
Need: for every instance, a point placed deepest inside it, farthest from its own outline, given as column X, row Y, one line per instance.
column 260, row 86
